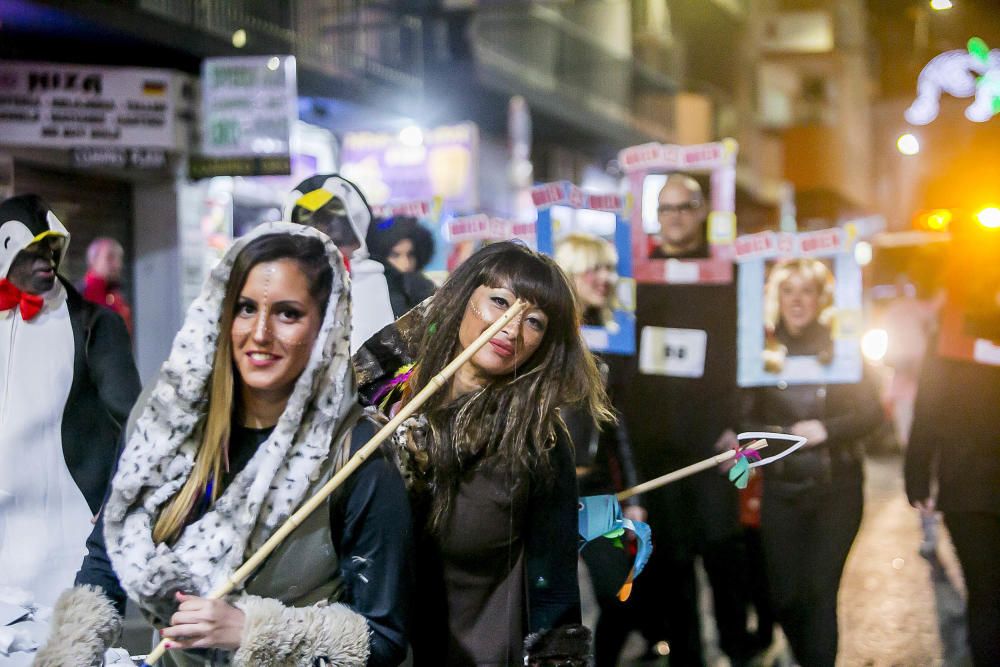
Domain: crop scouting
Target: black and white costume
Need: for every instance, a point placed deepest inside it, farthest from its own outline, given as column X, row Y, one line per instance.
column 67, row 383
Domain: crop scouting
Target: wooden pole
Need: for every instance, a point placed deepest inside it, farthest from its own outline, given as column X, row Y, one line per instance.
column 362, row 455
column 686, row 471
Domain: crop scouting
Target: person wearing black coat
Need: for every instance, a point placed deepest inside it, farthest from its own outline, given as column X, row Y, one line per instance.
column 404, row 247
column 955, row 443
column 812, row 502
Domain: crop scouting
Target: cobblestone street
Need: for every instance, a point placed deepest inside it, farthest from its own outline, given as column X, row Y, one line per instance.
column 887, row 605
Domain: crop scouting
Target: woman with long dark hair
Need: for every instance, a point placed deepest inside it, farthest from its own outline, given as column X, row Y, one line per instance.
column 488, row 463
column 253, row 411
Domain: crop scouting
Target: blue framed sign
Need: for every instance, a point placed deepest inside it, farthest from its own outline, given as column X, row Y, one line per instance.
column 773, row 268
column 590, row 239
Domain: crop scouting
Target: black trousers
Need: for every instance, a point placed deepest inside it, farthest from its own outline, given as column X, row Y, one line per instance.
column 976, row 536
column 806, row 539
column 698, row 516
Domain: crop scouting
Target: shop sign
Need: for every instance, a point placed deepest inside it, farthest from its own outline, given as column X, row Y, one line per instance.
column 444, row 164
column 119, row 158
column 249, row 104
column 201, row 166
column 68, row 106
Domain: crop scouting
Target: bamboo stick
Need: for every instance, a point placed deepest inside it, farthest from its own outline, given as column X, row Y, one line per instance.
column 686, row 471
column 300, row 515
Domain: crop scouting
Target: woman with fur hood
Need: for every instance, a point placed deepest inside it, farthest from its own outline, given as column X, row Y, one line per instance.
column 489, row 464
column 253, row 411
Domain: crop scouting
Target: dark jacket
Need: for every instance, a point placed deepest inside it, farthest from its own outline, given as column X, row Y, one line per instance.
column 955, row 439
column 847, row 411
column 604, row 461
column 105, row 386
column 406, row 290
column 369, row 515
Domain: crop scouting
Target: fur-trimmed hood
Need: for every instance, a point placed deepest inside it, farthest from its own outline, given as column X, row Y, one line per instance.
column 160, row 451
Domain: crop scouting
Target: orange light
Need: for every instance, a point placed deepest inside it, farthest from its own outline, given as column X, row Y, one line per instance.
column 989, row 217
column 939, row 220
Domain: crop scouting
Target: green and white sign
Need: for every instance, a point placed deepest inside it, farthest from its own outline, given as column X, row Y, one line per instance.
column 249, row 104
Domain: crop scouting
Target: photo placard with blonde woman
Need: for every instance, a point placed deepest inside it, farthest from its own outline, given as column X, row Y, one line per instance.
column 799, row 309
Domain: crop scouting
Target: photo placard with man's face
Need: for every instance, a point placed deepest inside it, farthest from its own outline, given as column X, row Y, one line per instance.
column 800, row 303
column 683, row 213
column 589, row 238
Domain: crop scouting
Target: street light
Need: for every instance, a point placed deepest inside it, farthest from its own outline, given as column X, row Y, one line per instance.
column 989, row 217
column 941, row 5
column 908, row 144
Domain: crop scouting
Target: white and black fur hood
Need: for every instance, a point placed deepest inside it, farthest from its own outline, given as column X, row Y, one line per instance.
column 159, row 454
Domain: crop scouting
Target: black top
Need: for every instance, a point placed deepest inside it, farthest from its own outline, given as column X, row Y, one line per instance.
column 674, row 421
column 503, row 542
column 370, row 516
column 956, row 432
column 847, row 411
column 604, row 462
column 406, row 290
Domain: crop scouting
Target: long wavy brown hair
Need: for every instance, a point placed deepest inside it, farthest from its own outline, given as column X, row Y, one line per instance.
column 514, row 421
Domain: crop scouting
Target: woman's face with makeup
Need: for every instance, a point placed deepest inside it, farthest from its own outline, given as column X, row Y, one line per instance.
column 274, row 328
column 514, row 344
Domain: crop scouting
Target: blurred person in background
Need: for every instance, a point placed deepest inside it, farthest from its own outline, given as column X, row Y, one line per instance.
column 335, row 206
column 604, row 462
column 103, row 281
column 953, row 458
column 812, row 501
column 67, row 383
column 404, row 247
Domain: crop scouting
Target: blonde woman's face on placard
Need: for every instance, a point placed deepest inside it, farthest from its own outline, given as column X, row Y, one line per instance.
column 798, row 302
column 595, row 286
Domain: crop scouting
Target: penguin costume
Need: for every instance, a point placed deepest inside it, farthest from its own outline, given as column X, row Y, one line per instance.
column 336, row 207
column 67, row 383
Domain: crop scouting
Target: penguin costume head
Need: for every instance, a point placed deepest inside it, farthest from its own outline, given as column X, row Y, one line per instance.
column 334, row 206
column 32, row 243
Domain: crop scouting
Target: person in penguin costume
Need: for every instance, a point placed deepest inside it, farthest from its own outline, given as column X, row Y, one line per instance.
column 336, row 207
column 67, row 383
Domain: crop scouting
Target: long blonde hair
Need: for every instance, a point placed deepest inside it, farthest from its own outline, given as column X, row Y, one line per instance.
column 209, row 462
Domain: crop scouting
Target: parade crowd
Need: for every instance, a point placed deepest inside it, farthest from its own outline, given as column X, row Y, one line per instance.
column 456, row 542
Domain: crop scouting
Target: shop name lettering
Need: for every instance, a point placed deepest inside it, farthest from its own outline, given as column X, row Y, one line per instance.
column 551, row 194
column 65, row 82
column 827, row 240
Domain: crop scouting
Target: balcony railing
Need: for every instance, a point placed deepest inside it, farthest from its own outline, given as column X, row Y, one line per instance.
column 360, row 39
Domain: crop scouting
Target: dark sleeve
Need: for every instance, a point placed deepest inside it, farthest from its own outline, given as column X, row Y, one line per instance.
column 372, row 535
column 551, row 540
column 858, row 414
column 922, row 448
column 751, row 412
column 620, row 458
column 96, row 569
column 110, row 363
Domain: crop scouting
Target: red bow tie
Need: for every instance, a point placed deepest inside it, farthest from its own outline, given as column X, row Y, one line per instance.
column 10, row 296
